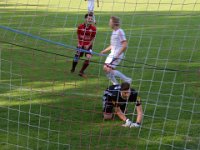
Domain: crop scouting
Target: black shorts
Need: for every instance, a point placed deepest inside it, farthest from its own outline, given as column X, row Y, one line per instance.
column 80, row 53
column 108, row 106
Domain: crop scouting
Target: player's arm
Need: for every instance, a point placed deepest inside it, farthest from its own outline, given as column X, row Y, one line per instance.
column 123, row 48
column 120, row 114
column 139, row 117
column 139, row 110
column 78, row 32
column 123, row 41
column 139, row 114
column 79, row 36
column 106, row 50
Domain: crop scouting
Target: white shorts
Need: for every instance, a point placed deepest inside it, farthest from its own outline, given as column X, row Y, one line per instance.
column 111, row 62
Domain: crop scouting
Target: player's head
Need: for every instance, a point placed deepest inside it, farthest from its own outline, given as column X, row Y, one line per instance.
column 125, row 90
column 89, row 18
column 114, row 22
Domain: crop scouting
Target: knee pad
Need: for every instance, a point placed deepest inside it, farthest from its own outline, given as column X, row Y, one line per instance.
column 108, row 108
column 107, row 116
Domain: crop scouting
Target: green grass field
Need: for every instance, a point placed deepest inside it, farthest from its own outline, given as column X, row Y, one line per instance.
column 44, row 106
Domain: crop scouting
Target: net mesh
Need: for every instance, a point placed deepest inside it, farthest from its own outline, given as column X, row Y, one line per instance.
column 44, row 106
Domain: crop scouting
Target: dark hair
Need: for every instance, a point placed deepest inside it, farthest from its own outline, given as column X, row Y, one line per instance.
column 125, row 86
column 89, row 14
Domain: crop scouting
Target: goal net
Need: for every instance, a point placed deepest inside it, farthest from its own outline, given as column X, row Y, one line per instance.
column 44, row 106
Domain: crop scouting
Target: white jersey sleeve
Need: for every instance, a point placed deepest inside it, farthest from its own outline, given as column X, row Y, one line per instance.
column 122, row 36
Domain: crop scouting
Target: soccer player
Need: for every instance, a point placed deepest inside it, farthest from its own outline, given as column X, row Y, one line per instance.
column 117, row 47
column 91, row 9
column 86, row 34
column 117, row 97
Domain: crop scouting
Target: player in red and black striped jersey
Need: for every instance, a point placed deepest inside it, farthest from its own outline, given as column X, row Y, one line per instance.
column 117, row 97
column 86, row 33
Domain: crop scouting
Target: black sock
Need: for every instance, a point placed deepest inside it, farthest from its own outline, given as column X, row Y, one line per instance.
column 85, row 65
column 74, row 64
column 75, row 61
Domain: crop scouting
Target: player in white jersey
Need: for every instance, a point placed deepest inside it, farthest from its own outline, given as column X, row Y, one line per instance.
column 117, row 47
column 91, row 9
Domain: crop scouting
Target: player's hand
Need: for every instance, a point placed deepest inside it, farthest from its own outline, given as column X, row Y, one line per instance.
column 79, row 46
column 86, row 47
column 102, row 52
column 90, row 50
column 135, row 125
column 127, row 123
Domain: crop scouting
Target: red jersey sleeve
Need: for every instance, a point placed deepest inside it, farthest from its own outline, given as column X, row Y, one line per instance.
column 94, row 32
column 79, row 32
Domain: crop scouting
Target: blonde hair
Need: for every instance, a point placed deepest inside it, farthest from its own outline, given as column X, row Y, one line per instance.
column 115, row 20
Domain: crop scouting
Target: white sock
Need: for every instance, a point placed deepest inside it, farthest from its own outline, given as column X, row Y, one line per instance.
column 94, row 20
column 91, row 8
column 112, row 78
column 90, row 5
column 122, row 76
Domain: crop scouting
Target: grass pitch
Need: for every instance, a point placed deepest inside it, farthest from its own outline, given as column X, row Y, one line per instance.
column 44, row 106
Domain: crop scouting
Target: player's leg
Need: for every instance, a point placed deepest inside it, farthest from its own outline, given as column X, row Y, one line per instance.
column 109, row 74
column 90, row 5
column 107, row 109
column 75, row 60
column 85, row 65
column 121, row 76
column 107, row 116
column 91, row 9
column 117, row 73
column 108, row 70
